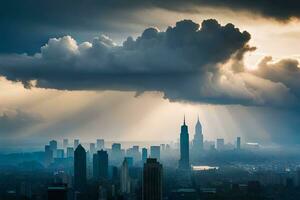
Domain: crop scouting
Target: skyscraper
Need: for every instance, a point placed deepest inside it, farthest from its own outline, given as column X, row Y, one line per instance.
column 70, row 152
column 100, row 144
column 184, row 162
column 152, row 180
column 79, row 168
column 125, row 179
column 100, row 165
column 238, row 143
column 155, row 152
column 48, row 155
column 198, row 138
column 144, row 154
column 53, row 147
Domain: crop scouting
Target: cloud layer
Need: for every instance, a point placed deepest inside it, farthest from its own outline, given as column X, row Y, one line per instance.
column 12, row 122
column 187, row 62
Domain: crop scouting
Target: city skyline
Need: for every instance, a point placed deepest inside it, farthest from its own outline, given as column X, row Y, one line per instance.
column 132, row 79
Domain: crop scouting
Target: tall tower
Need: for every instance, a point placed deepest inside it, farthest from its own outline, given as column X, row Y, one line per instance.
column 198, row 138
column 125, row 178
column 152, row 180
column 79, row 168
column 100, row 165
column 184, row 162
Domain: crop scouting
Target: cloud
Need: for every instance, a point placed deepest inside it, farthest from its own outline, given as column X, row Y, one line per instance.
column 12, row 122
column 187, row 62
column 25, row 25
column 284, row 71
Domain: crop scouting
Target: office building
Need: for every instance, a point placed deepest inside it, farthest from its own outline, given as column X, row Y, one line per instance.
column 155, row 152
column 125, row 178
column 100, row 144
column 184, row 162
column 198, row 139
column 144, row 154
column 152, row 180
column 220, row 144
column 79, row 168
column 70, row 152
column 100, row 165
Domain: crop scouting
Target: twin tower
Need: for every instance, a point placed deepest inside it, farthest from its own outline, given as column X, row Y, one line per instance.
column 197, row 145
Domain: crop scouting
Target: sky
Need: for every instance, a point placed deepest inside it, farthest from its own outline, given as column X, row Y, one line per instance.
column 128, row 70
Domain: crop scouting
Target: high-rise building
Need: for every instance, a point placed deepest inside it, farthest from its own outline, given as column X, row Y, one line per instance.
column 184, row 162
column 92, row 148
column 155, row 152
column 198, row 138
column 60, row 153
column 129, row 161
column 116, row 153
column 76, row 143
column 100, row 144
column 48, row 155
column 125, row 178
column 79, row 168
column 144, row 154
column 152, row 180
column 238, row 143
column 70, row 152
column 134, row 153
column 65, row 143
column 220, row 144
column 53, row 147
column 100, row 165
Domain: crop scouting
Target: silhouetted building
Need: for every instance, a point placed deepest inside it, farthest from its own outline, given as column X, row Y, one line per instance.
column 238, row 143
column 100, row 165
column 48, row 155
column 144, row 154
column 184, row 162
column 79, row 168
column 152, row 180
column 155, row 152
column 53, row 147
column 125, row 178
column 100, row 144
column 57, row 193
column 198, row 138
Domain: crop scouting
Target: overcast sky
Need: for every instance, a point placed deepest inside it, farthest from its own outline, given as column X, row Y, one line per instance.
column 129, row 70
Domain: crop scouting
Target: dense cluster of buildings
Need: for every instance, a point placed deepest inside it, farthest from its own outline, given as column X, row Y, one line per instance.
column 80, row 171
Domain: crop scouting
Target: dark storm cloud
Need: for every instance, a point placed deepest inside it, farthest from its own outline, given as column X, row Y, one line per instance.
column 25, row 24
column 186, row 63
column 12, row 122
column 174, row 62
